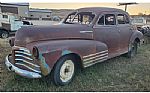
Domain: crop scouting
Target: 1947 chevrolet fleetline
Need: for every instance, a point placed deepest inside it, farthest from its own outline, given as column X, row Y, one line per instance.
column 85, row 37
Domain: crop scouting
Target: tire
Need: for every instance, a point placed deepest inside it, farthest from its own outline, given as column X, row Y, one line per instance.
column 4, row 34
column 64, row 71
column 132, row 49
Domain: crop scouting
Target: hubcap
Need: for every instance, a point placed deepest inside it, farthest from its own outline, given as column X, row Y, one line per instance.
column 4, row 35
column 67, row 70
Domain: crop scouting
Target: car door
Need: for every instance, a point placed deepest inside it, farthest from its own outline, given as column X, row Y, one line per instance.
column 105, row 30
column 125, row 31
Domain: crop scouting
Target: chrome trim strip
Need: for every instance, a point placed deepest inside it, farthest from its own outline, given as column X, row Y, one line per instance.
column 94, row 63
column 21, row 72
column 95, row 57
column 25, row 50
column 86, row 31
column 22, row 48
column 27, row 62
column 23, row 53
column 95, row 53
column 28, row 67
column 18, row 55
column 95, row 60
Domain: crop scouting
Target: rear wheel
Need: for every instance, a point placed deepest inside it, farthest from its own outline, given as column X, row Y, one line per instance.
column 132, row 49
column 4, row 34
column 64, row 71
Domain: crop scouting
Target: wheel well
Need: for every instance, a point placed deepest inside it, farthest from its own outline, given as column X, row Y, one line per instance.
column 137, row 40
column 2, row 29
column 75, row 57
column 78, row 59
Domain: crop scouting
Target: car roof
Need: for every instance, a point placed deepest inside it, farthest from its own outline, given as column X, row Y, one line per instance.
column 100, row 9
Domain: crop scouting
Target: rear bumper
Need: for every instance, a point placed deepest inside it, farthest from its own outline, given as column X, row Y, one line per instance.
column 19, row 71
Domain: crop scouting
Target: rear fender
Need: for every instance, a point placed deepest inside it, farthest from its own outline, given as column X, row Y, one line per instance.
column 136, row 35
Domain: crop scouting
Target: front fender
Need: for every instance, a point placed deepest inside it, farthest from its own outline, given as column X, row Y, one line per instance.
column 52, row 51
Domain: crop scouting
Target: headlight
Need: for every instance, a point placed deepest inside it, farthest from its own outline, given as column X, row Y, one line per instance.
column 35, row 52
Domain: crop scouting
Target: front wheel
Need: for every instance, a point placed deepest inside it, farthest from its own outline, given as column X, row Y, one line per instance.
column 64, row 71
column 132, row 49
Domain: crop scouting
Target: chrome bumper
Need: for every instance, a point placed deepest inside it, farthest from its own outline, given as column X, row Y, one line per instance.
column 19, row 71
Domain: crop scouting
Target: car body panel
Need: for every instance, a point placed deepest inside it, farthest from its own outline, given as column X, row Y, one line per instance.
column 61, row 31
column 92, row 43
column 53, row 50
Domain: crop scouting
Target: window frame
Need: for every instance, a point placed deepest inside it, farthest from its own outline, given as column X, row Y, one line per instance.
column 86, row 11
column 103, row 14
column 127, row 18
column 5, row 16
column 125, row 15
column 72, row 13
column 114, row 19
column 123, row 18
column 99, row 19
column 77, row 12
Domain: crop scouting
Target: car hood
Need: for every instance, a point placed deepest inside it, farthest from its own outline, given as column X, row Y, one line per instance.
column 53, row 32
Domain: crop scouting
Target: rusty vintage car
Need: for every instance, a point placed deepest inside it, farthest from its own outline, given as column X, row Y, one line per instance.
column 85, row 37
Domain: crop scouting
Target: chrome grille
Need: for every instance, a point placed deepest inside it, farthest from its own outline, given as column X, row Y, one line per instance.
column 23, row 57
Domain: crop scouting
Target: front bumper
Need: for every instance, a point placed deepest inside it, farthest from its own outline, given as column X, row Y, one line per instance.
column 19, row 71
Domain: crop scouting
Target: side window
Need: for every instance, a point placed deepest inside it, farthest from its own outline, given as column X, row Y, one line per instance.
column 70, row 17
column 5, row 16
column 84, row 18
column 101, row 21
column 121, row 19
column 110, row 19
column 77, row 19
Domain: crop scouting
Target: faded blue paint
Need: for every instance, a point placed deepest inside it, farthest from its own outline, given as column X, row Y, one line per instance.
column 64, row 52
column 45, row 69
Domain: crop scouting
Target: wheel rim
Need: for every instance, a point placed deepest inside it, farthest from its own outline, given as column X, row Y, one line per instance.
column 4, row 35
column 67, row 70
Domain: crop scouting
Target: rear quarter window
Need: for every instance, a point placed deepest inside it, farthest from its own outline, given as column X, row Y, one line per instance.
column 122, row 19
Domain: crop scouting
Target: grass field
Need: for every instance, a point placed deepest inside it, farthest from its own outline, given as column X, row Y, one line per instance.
column 117, row 74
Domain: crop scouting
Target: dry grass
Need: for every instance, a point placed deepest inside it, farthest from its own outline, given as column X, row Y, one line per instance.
column 117, row 74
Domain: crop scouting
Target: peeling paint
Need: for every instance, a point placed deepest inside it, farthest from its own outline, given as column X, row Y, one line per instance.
column 45, row 69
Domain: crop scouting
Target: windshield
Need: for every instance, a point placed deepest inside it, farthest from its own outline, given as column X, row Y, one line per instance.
column 79, row 18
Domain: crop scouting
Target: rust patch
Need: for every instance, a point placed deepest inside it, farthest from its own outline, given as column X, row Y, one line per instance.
column 45, row 69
